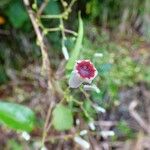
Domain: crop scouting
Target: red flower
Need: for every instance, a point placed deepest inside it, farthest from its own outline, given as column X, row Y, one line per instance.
column 86, row 69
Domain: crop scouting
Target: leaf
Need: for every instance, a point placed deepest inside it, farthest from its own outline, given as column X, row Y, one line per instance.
column 77, row 48
column 16, row 14
column 17, row 116
column 52, row 8
column 62, row 118
column 87, row 105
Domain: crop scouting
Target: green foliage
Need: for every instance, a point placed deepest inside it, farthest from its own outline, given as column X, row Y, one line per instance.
column 124, row 130
column 17, row 14
column 146, row 74
column 93, row 8
column 62, row 118
column 17, row 116
column 75, row 52
column 14, row 145
column 3, row 3
column 89, row 112
column 52, row 8
column 116, row 67
column 104, row 69
column 3, row 75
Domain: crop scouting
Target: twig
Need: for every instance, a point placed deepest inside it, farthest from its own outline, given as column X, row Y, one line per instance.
column 137, row 117
column 40, row 32
column 51, row 16
column 52, row 29
column 71, row 32
column 42, row 7
column 63, row 15
column 45, row 65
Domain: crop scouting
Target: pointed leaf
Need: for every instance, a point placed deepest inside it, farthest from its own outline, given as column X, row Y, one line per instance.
column 77, row 48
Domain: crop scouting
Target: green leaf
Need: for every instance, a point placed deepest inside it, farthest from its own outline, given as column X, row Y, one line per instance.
column 52, row 8
column 62, row 118
column 16, row 14
column 17, row 116
column 77, row 48
column 87, row 105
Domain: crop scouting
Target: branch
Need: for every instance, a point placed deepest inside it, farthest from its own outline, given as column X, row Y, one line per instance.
column 42, row 7
column 137, row 117
column 45, row 65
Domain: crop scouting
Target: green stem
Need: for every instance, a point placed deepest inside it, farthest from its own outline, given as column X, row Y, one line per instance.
column 51, row 16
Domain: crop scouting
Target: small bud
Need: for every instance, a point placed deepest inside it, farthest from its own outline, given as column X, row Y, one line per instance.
column 99, row 109
column 77, row 121
column 64, row 3
column 92, row 126
column 82, row 142
column 34, row 6
column 83, row 132
column 84, row 71
column 91, row 88
column 44, row 148
column 105, row 134
column 98, row 55
column 65, row 52
column 26, row 136
column 45, row 31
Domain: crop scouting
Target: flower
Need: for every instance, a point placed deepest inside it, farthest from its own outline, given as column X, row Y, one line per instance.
column 84, row 71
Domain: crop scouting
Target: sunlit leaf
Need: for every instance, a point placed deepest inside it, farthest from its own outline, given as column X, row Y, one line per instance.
column 17, row 116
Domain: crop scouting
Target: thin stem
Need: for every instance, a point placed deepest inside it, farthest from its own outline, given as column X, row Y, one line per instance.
column 62, row 31
column 67, row 11
column 45, row 64
column 59, row 16
column 64, row 49
column 85, row 94
column 71, row 32
column 51, row 16
column 46, row 126
column 52, row 29
column 85, row 112
column 42, row 7
column 81, row 106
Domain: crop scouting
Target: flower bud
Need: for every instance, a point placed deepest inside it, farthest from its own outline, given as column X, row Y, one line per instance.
column 82, row 142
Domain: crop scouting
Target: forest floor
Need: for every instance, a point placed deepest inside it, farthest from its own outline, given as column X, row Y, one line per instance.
column 132, row 113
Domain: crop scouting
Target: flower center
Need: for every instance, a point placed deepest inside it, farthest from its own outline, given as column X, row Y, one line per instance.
column 85, row 69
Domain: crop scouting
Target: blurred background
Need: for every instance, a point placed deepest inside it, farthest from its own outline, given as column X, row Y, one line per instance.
column 116, row 39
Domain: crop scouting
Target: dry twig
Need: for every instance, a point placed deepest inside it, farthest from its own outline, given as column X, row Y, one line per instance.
column 137, row 117
column 45, row 65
